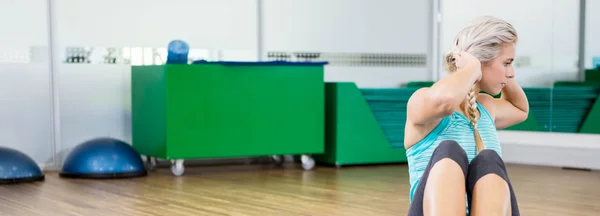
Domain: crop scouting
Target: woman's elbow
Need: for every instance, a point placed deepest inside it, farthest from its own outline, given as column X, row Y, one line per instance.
column 443, row 103
column 523, row 116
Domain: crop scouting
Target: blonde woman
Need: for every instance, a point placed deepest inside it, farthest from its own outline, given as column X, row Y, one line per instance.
column 452, row 146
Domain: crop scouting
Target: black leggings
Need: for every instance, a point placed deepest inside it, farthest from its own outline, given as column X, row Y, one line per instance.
column 486, row 162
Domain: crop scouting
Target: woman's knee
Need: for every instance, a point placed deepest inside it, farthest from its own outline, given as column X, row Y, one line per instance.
column 488, row 157
column 450, row 147
column 485, row 163
column 489, row 154
column 452, row 150
column 487, row 168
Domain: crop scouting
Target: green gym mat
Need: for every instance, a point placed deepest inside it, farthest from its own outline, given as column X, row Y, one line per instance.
column 563, row 108
column 419, row 84
column 389, row 108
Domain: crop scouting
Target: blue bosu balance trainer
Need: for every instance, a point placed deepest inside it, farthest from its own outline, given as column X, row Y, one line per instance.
column 16, row 167
column 103, row 158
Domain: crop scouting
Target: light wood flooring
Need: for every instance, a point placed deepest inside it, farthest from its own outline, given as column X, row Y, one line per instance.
column 268, row 190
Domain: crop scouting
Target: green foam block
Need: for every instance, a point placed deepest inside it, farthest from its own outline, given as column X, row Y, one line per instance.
column 353, row 135
column 592, row 120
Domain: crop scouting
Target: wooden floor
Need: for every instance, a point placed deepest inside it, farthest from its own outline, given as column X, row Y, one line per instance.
column 267, row 190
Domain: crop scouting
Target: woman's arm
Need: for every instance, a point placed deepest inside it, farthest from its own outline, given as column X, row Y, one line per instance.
column 429, row 104
column 512, row 107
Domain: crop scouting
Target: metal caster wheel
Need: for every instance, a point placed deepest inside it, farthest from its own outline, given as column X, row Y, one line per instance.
column 277, row 160
column 308, row 163
column 151, row 163
column 177, row 168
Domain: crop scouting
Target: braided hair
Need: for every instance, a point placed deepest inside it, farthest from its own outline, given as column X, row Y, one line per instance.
column 482, row 39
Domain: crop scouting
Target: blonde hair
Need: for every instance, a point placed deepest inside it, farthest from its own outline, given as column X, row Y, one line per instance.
column 483, row 39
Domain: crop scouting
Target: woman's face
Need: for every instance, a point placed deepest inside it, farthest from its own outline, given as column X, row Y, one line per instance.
column 495, row 73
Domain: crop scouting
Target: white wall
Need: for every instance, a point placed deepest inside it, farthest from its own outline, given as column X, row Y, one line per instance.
column 549, row 41
column 25, row 91
column 25, row 113
column 592, row 36
column 346, row 25
column 210, row 24
column 24, row 23
column 94, row 102
column 352, row 26
column 95, row 98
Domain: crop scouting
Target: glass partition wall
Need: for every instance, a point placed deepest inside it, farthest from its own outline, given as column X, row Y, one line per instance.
column 26, row 100
column 94, row 53
column 66, row 48
column 547, row 57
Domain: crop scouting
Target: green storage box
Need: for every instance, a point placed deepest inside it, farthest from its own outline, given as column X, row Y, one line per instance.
column 226, row 110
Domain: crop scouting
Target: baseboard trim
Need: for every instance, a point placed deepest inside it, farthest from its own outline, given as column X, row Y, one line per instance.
column 51, row 167
column 48, row 167
column 570, row 150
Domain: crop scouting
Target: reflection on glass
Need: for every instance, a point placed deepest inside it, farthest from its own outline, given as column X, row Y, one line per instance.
column 18, row 55
column 148, row 56
column 25, row 77
column 137, row 56
column 126, row 54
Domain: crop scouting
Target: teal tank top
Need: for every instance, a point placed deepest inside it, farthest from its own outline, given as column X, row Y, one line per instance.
column 455, row 127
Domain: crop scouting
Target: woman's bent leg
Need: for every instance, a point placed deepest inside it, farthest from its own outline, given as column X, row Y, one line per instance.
column 488, row 188
column 441, row 190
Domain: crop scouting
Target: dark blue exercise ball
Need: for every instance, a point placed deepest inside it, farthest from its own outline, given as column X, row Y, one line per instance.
column 16, row 167
column 103, row 158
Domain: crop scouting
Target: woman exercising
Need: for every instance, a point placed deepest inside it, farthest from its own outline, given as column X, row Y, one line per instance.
column 451, row 141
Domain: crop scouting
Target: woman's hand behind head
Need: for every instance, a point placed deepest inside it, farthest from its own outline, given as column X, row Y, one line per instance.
column 465, row 60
